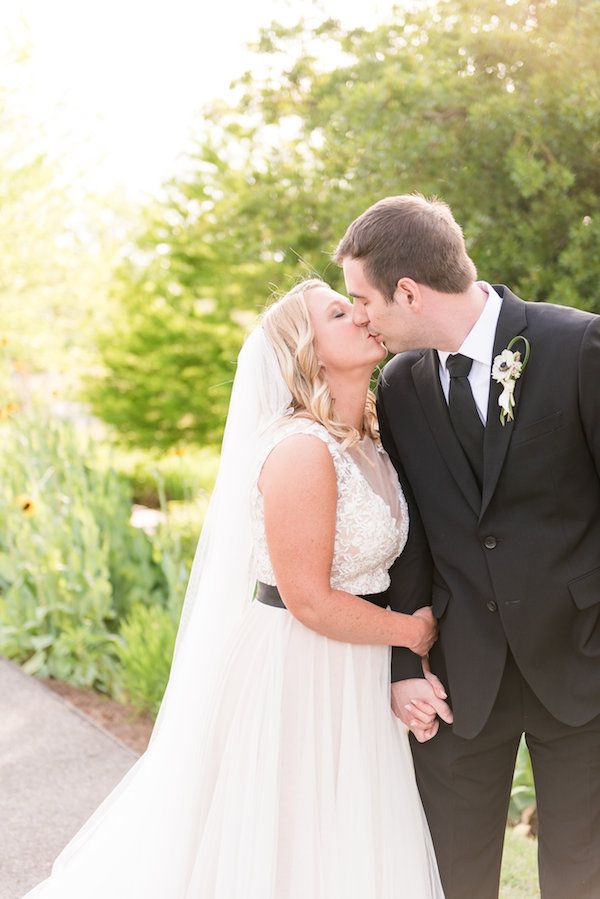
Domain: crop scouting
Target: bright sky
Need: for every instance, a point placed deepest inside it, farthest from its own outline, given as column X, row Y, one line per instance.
column 114, row 86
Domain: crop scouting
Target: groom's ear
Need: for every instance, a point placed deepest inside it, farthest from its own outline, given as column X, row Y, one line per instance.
column 407, row 292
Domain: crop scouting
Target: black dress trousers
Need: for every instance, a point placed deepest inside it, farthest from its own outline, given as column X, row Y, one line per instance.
column 465, row 787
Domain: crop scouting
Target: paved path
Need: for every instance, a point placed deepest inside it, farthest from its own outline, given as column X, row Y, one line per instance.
column 56, row 766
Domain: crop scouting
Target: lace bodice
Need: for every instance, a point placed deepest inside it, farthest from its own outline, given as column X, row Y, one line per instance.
column 371, row 531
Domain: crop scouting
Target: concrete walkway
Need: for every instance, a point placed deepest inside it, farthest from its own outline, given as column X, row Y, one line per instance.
column 56, row 766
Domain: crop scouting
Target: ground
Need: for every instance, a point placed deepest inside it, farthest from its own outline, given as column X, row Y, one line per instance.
column 122, row 721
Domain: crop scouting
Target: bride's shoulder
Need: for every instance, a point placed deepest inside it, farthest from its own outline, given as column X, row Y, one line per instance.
column 291, row 434
column 297, row 446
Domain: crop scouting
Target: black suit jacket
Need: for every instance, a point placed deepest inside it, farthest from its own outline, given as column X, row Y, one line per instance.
column 519, row 563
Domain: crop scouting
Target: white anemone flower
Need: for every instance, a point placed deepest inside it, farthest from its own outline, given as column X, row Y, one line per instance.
column 507, row 367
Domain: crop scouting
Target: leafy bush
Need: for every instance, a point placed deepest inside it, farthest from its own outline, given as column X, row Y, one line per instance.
column 70, row 563
column 181, row 474
column 145, row 652
column 75, row 576
column 174, row 544
column 148, row 634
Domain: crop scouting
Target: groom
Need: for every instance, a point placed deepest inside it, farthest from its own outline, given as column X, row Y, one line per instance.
column 510, row 511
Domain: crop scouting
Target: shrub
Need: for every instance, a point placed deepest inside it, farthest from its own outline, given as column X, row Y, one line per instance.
column 181, row 474
column 145, row 652
column 75, row 576
column 148, row 633
column 70, row 563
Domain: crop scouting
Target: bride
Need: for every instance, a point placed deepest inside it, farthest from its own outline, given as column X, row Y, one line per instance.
column 276, row 768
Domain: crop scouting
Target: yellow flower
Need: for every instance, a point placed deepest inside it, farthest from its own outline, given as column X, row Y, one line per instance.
column 8, row 410
column 176, row 451
column 25, row 504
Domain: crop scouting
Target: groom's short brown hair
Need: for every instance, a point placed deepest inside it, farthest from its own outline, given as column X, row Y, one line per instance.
column 409, row 237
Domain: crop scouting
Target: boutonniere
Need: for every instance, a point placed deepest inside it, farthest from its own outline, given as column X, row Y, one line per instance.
column 507, row 368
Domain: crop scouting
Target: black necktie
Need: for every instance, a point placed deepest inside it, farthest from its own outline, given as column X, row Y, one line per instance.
column 464, row 416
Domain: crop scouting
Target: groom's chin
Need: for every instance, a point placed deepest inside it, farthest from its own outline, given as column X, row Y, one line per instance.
column 393, row 346
column 399, row 345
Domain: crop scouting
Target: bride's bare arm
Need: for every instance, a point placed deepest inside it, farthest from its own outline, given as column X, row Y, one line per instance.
column 299, row 488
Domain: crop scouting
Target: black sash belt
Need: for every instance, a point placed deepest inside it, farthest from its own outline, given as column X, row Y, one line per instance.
column 271, row 596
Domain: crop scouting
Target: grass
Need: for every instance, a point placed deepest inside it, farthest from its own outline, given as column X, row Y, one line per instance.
column 519, row 868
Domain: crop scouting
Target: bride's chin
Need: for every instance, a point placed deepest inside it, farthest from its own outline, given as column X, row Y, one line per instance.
column 377, row 354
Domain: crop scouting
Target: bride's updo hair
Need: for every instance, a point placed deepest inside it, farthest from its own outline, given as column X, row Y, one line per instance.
column 288, row 326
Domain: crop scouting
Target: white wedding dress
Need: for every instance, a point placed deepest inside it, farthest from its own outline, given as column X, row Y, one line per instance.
column 301, row 784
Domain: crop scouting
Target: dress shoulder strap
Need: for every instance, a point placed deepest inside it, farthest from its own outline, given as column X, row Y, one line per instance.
column 286, row 427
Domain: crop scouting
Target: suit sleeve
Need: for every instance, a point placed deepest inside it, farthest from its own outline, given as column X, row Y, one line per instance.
column 589, row 393
column 411, row 573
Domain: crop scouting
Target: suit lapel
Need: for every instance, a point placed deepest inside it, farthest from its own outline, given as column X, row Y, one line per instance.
column 430, row 393
column 512, row 321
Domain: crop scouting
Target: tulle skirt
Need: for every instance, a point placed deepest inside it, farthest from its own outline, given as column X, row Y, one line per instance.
column 300, row 786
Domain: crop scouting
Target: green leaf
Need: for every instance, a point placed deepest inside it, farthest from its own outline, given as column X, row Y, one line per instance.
column 35, row 664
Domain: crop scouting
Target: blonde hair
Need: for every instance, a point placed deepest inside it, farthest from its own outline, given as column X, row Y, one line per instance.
column 289, row 328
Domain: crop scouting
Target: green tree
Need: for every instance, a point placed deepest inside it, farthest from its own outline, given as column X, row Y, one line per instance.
column 494, row 106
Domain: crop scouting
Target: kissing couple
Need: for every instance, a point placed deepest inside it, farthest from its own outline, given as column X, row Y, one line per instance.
column 389, row 591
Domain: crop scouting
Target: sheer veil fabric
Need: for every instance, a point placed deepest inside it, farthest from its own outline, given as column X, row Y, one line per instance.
column 156, row 796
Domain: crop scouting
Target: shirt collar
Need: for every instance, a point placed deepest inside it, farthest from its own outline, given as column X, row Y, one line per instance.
column 479, row 342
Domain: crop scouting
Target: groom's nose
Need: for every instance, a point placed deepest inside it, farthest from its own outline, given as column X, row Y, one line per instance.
column 359, row 316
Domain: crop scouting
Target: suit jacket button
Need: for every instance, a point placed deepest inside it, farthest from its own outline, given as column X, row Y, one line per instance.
column 492, row 606
column 490, row 542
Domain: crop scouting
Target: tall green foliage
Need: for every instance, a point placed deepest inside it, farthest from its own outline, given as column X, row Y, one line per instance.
column 493, row 106
column 71, row 565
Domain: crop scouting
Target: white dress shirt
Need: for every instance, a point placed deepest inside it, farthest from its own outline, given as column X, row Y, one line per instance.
column 478, row 345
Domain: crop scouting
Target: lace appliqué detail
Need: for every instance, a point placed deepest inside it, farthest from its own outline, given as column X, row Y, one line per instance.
column 367, row 537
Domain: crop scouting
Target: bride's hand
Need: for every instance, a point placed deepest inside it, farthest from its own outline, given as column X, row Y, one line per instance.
column 426, row 632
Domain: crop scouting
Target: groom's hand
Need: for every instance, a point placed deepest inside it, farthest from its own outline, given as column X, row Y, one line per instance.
column 417, row 704
column 423, row 734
